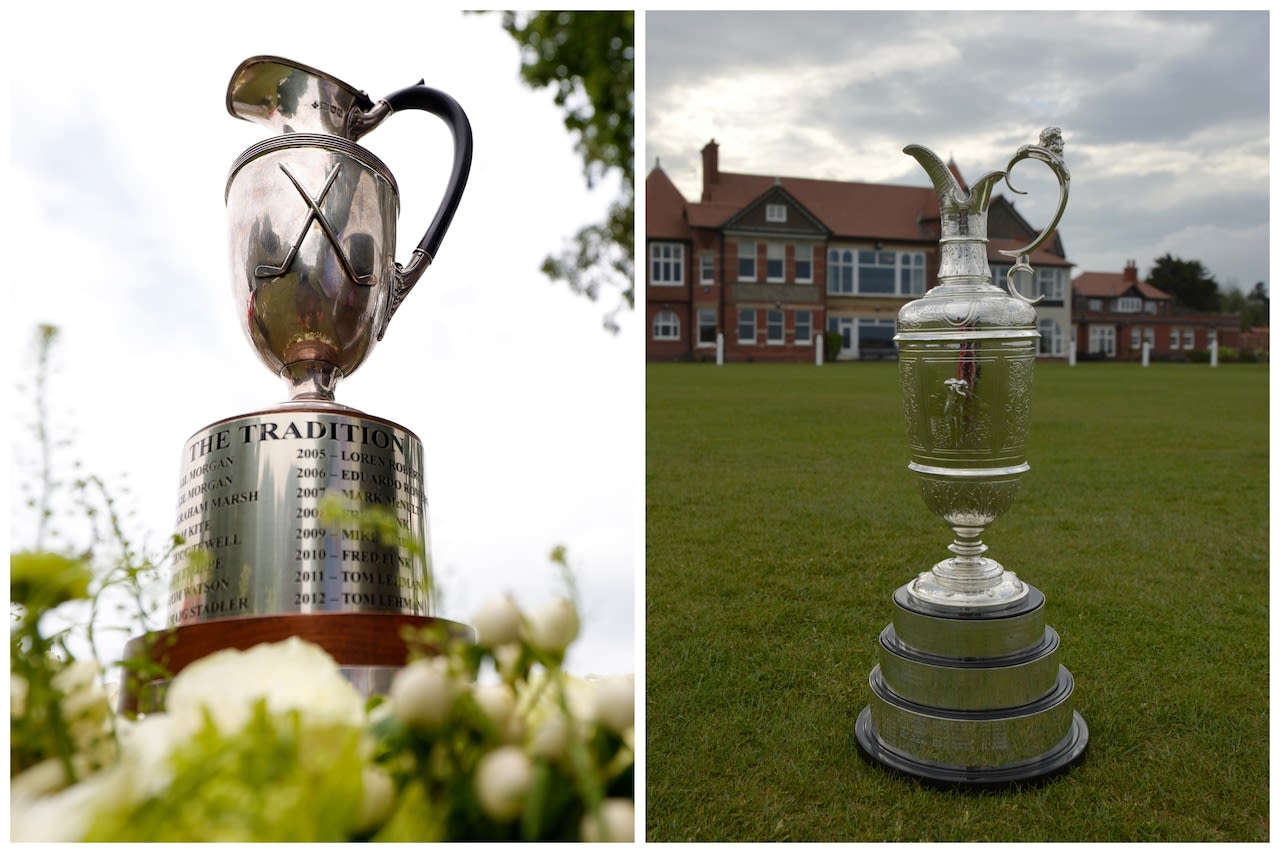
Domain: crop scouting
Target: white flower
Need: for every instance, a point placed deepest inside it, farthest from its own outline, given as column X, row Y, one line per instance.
column 497, row 622
column 17, row 695
column 503, row 777
column 615, row 703
column 553, row 627
column 498, row 701
column 422, row 693
column 549, row 735
column 615, row 822
column 292, row 675
column 505, row 659
column 379, row 797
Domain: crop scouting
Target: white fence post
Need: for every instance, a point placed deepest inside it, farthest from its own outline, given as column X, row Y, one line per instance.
column 818, row 350
column 719, row 348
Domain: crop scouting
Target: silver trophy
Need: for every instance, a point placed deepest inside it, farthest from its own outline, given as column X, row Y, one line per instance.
column 968, row 688
column 312, row 223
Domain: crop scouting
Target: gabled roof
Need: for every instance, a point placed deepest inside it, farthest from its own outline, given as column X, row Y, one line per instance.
column 1108, row 285
column 664, row 208
column 848, row 209
column 776, row 194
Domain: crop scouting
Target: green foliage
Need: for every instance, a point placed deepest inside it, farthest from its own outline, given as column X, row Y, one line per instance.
column 780, row 517
column 1253, row 309
column 831, row 344
column 588, row 59
column 269, row 782
column 1188, row 282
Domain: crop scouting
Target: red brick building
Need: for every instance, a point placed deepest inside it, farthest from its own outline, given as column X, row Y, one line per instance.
column 1115, row 313
column 772, row 262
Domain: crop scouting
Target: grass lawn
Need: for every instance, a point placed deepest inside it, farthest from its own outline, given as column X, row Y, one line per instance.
column 781, row 516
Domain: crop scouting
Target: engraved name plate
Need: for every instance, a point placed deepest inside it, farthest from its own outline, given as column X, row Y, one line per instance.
column 249, row 498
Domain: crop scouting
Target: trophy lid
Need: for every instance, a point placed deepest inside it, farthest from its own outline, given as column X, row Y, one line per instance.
column 290, row 97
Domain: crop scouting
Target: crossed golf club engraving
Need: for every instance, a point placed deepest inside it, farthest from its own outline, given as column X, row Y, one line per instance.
column 314, row 215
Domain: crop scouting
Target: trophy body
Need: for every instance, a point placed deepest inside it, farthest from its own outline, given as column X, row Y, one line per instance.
column 309, row 518
column 968, row 687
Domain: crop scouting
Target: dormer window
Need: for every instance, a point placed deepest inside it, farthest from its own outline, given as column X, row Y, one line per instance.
column 775, row 213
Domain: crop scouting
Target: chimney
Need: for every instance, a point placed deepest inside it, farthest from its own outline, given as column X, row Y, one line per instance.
column 710, row 168
column 1130, row 272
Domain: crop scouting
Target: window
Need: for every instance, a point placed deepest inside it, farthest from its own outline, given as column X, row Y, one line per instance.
column 1102, row 339
column 1095, row 304
column 1135, row 338
column 875, row 336
column 1149, row 336
column 1129, row 304
column 876, row 271
column 775, row 264
column 706, row 327
column 747, row 326
column 1149, row 306
column 1051, row 341
column 666, row 326
column 775, row 213
column 804, row 263
column 804, row 327
column 840, row 271
column 911, row 274
column 774, row 330
column 746, row 260
column 707, row 269
column 1188, row 338
column 1173, row 339
column 1049, row 281
column 666, row 263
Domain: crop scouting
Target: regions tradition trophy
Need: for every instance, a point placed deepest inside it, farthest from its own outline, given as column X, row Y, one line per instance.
column 312, row 221
column 968, row 688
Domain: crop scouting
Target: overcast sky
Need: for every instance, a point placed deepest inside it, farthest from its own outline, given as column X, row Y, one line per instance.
column 1164, row 115
column 529, row 412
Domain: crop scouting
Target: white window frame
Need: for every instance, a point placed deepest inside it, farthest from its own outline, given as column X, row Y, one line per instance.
column 909, row 264
column 1189, row 338
column 1095, row 304
column 1174, row 337
column 775, row 213
column 1135, row 338
column 1103, row 339
column 775, row 253
column 707, row 268
column 837, row 262
column 1049, row 283
column 1149, row 306
column 1128, row 305
column 804, row 256
column 743, row 315
column 706, row 319
column 666, row 325
column 1051, row 339
column 747, row 258
column 775, row 318
column 806, row 326
column 670, row 256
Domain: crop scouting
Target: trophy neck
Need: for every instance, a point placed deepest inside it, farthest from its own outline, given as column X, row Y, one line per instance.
column 311, row 380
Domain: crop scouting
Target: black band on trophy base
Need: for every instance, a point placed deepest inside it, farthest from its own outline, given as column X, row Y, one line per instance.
column 1065, row 753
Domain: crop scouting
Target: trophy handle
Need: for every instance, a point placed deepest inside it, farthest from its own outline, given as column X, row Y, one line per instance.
column 1049, row 152
column 437, row 103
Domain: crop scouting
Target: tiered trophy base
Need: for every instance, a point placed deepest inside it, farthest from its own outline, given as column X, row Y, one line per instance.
column 971, row 696
column 368, row 647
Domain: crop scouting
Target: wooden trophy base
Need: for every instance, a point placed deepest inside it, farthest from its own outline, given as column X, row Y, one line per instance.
column 354, row 640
